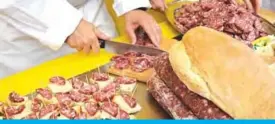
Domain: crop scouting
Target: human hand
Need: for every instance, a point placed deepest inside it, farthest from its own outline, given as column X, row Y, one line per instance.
column 136, row 18
column 85, row 37
column 253, row 5
column 158, row 4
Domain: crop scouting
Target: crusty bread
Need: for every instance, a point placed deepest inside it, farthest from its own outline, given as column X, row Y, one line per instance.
column 225, row 71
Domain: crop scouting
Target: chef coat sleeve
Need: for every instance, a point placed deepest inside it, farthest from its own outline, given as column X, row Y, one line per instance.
column 123, row 6
column 49, row 21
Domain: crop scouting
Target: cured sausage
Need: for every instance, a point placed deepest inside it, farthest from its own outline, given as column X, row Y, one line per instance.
column 68, row 112
column 47, row 110
column 89, row 89
column 46, row 93
column 132, row 54
column 58, row 80
column 122, row 115
column 10, row 111
column 104, row 96
column 168, row 100
column 110, row 107
column 36, row 105
column 97, row 76
column 78, row 97
column 76, row 83
column 16, row 98
column 200, row 106
column 111, row 86
column 121, row 62
column 141, row 64
column 125, row 80
column 91, row 108
column 132, row 102
column 64, row 99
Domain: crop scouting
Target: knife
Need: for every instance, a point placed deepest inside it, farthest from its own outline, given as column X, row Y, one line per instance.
column 121, row 48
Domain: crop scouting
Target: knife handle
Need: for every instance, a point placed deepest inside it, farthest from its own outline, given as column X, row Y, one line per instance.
column 101, row 43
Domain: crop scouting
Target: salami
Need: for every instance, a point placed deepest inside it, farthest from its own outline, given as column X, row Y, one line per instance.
column 132, row 54
column 104, row 96
column 54, row 115
column 78, row 97
column 141, row 64
column 125, row 80
column 122, row 115
column 11, row 111
column 31, row 116
column 45, row 93
column 58, row 80
column 200, row 106
column 110, row 107
column 91, row 108
column 97, row 76
column 36, row 105
column 68, row 112
column 47, row 110
column 111, row 86
column 16, row 98
column 121, row 62
column 89, row 89
column 129, row 100
column 64, row 99
column 76, row 83
column 168, row 100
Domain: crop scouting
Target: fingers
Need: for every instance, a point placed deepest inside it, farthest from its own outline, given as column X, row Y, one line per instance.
column 158, row 4
column 101, row 35
column 256, row 5
column 130, row 30
column 153, row 31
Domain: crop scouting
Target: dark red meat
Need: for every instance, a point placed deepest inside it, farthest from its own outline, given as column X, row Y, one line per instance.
column 121, row 62
column 16, row 98
column 110, row 107
column 132, row 54
column 141, row 64
column 46, row 93
column 132, row 102
column 58, row 80
column 97, row 76
column 125, row 80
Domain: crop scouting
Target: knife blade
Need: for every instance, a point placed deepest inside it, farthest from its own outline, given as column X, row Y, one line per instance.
column 120, row 48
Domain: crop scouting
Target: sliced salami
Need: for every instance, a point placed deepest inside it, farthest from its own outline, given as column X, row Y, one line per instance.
column 47, row 110
column 111, row 86
column 110, row 107
column 122, row 115
column 31, row 116
column 68, row 112
column 64, row 99
column 132, row 102
column 104, row 96
column 132, row 54
column 16, row 98
column 76, row 83
column 141, row 64
column 124, row 80
column 121, row 62
column 11, row 111
column 58, row 80
column 89, row 89
column 36, row 105
column 45, row 93
column 78, row 97
column 91, row 108
column 97, row 76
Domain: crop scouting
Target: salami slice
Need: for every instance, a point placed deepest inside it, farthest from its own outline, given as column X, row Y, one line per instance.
column 101, row 96
column 91, row 108
column 11, row 111
column 76, row 83
column 58, row 80
column 141, row 64
column 132, row 54
column 64, row 99
column 132, row 102
column 121, row 62
column 111, row 86
column 46, row 93
column 16, row 98
column 97, row 76
column 122, row 115
column 125, row 80
column 47, row 110
column 89, row 89
column 111, row 108
column 78, row 97
column 31, row 116
column 36, row 105
column 68, row 112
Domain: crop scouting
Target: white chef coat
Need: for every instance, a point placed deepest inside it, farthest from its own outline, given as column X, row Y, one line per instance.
column 34, row 31
column 268, row 4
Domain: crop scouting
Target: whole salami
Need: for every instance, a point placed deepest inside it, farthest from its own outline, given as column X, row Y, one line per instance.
column 200, row 106
column 168, row 100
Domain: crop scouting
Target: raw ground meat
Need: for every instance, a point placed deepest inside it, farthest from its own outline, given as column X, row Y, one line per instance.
column 222, row 15
column 168, row 100
column 201, row 107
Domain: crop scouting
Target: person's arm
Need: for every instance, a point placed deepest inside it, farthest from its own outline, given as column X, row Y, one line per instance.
column 123, row 6
column 253, row 5
column 49, row 21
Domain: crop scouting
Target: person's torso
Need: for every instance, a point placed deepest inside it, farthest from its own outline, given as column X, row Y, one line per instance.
column 19, row 51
